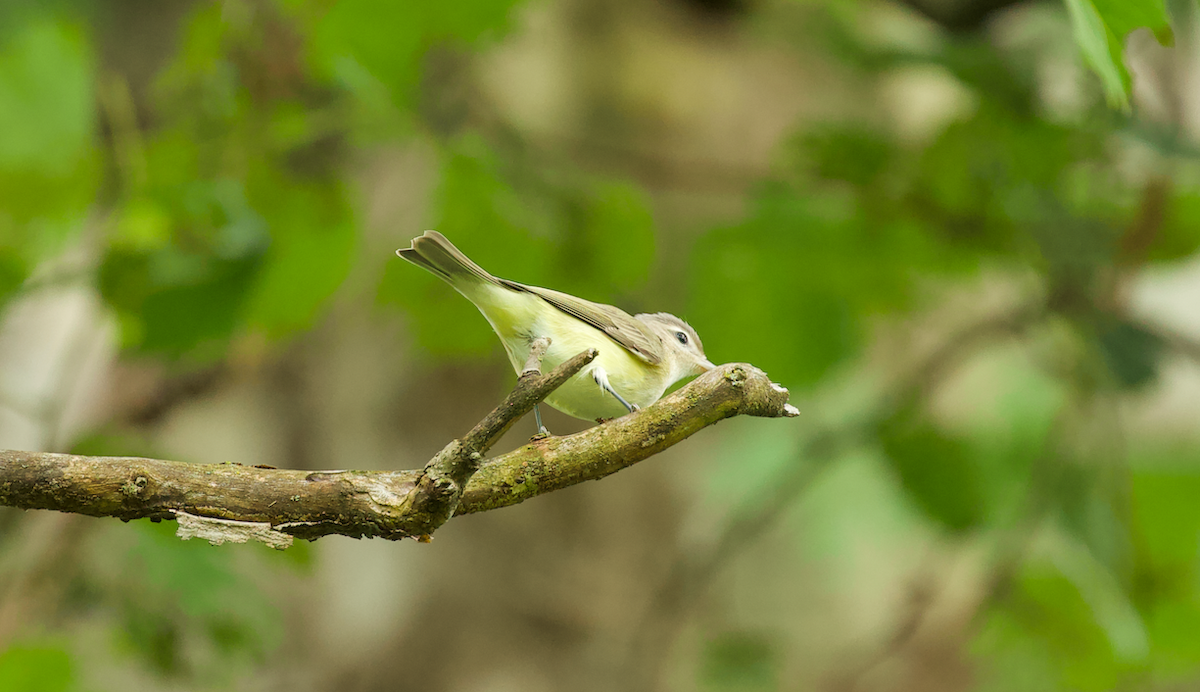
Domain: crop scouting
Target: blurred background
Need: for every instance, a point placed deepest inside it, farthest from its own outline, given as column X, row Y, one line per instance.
column 965, row 241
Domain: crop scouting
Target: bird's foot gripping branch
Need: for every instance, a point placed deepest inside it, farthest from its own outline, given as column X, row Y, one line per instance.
column 231, row 502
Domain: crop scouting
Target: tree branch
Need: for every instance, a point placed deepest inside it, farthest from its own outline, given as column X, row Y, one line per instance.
column 554, row 463
column 276, row 504
column 441, row 484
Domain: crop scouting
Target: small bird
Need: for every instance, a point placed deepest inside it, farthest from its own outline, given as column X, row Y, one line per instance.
column 639, row 355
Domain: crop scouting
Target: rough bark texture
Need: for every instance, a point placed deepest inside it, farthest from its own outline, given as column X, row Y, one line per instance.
column 234, row 502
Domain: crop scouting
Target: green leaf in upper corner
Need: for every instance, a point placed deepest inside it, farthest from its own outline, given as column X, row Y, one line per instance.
column 935, row 468
column 36, row 669
column 1101, row 28
column 1124, row 16
column 1101, row 50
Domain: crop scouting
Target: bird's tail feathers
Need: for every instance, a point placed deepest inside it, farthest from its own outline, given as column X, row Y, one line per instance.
column 434, row 252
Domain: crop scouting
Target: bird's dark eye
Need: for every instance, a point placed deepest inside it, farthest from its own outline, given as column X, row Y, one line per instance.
column 682, row 337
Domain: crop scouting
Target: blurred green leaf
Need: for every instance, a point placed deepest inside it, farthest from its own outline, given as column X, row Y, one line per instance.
column 142, row 225
column 178, row 319
column 176, row 302
column 30, row 668
column 113, row 443
column 1124, row 16
column 195, row 575
column 986, row 180
column 857, row 155
column 155, row 638
column 181, row 588
column 1072, row 250
column 1172, row 624
column 791, row 287
column 46, row 88
column 1087, row 510
column 376, row 36
column 1166, row 522
column 1179, row 235
column 1101, row 47
column 617, row 240
column 300, row 557
column 388, row 41
column 774, row 291
column 1073, row 609
column 12, row 273
column 1003, row 82
column 754, row 458
column 203, row 45
column 936, row 469
column 1131, row 353
column 313, row 240
column 739, row 662
column 48, row 166
column 1012, row 411
column 1010, row 658
column 478, row 202
column 301, row 273
column 1110, row 605
column 1051, row 610
column 185, row 293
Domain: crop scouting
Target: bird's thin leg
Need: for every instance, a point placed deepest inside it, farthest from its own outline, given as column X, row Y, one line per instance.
column 626, row 404
column 601, row 378
column 537, row 416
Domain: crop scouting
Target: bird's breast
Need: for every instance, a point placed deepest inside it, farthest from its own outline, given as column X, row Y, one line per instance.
column 636, row 380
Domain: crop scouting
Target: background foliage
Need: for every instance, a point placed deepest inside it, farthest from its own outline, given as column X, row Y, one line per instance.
column 994, row 484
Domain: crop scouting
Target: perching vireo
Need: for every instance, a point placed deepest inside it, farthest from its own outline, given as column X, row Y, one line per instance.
column 640, row 355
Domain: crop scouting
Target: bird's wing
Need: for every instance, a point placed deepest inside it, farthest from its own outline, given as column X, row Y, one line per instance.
column 619, row 325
